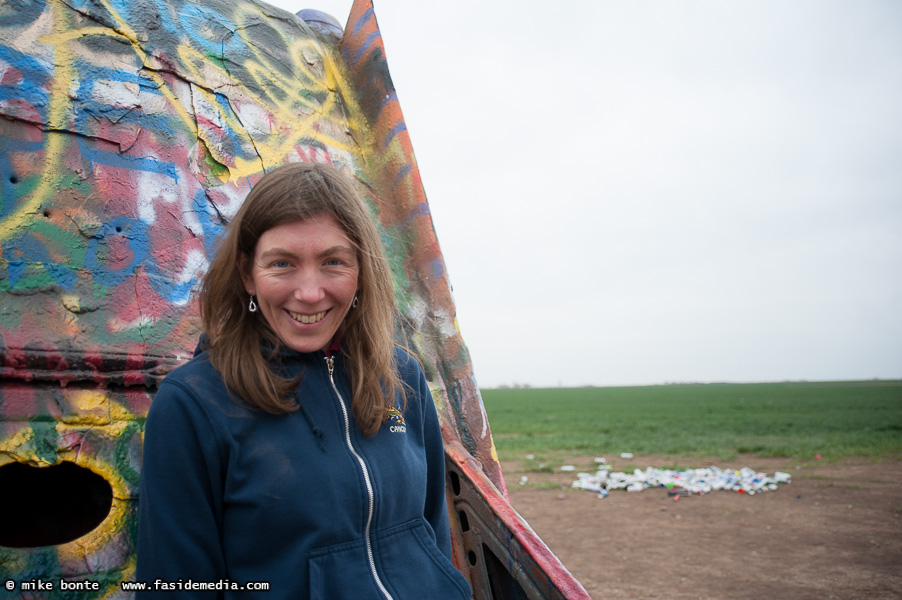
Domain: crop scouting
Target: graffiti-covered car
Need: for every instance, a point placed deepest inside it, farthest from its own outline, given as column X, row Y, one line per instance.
column 131, row 133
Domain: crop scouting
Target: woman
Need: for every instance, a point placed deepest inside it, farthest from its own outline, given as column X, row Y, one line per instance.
column 299, row 447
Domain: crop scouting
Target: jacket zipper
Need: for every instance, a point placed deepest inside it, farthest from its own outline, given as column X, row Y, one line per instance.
column 330, row 363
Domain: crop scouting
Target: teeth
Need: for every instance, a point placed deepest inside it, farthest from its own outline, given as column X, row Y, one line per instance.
column 307, row 319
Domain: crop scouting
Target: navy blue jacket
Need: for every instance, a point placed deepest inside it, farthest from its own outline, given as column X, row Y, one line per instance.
column 303, row 502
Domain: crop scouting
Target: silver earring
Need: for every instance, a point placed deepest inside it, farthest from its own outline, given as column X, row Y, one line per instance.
column 354, row 302
column 252, row 306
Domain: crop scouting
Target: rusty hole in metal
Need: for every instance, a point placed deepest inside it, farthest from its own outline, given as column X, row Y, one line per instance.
column 47, row 212
column 455, row 482
column 471, row 556
column 13, row 179
column 464, row 521
column 51, row 505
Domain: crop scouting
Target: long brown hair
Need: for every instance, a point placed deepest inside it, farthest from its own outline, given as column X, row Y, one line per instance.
column 289, row 193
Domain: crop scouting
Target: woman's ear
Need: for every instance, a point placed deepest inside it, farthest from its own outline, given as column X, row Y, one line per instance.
column 244, row 267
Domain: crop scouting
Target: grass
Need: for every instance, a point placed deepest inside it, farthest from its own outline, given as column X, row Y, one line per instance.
column 548, row 485
column 796, row 420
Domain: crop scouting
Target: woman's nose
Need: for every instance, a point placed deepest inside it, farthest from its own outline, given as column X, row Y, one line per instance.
column 308, row 288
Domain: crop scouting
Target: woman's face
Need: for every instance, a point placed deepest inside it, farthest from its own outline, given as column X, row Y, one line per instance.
column 304, row 275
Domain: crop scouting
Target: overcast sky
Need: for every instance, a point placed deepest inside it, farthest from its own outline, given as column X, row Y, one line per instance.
column 640, row 192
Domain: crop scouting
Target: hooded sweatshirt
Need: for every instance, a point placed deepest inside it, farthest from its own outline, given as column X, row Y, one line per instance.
column 302, row 503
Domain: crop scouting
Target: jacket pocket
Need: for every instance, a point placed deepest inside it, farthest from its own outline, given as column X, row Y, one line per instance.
column 340, row 572
column 415, row 567
column 409, row 564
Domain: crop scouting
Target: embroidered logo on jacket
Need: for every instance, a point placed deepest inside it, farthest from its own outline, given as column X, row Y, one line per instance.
column 398, row 425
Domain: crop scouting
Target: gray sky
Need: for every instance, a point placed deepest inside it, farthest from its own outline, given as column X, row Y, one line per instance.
column 640, row 192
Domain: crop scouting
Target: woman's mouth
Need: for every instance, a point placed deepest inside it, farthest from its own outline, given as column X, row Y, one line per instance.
column 308, row 319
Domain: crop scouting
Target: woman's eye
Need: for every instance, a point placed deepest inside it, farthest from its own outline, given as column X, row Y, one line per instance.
column 334, row 262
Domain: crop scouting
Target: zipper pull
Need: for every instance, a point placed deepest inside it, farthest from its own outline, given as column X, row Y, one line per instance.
column 330, row 364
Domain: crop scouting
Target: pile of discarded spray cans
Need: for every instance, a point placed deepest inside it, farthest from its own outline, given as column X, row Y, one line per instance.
column 685, row 482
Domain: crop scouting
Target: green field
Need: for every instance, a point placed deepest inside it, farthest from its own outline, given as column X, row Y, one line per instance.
column 795, row 419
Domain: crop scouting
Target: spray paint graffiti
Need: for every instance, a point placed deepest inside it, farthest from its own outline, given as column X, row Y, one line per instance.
column 99, row 430
column 131, row 132
column 124, row 157
column 426, row 300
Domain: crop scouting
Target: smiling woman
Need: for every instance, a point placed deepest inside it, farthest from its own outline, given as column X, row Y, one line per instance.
column 304, row 276
column 281, row 255
column 309, row 449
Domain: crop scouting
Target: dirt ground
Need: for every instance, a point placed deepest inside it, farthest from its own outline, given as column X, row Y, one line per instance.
column 835, row 531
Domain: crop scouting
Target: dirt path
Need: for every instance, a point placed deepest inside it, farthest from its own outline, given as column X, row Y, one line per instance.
column 834, row 532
